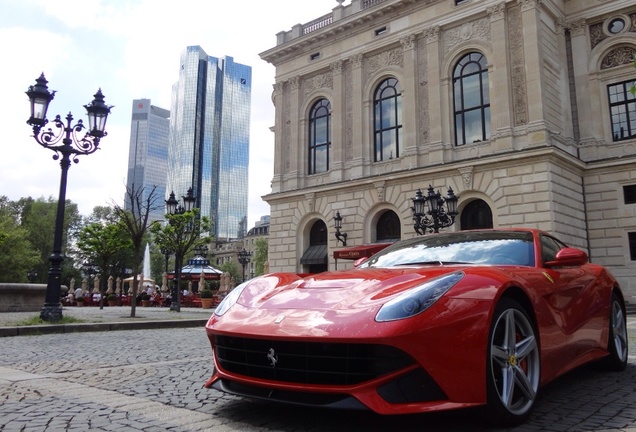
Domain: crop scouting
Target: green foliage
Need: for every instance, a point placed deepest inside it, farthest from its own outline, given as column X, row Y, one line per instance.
column 111, row 297
column 182, row 233
column 17, row 255
column 206, row 293
column 233, row 269
column 261, row 247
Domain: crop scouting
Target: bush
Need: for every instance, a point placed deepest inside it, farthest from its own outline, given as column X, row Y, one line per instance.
column 111, row 297
column 206, row 293
column 145, row 296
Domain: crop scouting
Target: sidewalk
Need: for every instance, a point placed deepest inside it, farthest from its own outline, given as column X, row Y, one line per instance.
column 109, row 318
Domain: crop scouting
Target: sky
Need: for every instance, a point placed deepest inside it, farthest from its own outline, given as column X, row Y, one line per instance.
column 130, row 49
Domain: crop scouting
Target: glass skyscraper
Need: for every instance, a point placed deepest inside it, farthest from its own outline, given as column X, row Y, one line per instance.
column 209, row 138
column 148, row 154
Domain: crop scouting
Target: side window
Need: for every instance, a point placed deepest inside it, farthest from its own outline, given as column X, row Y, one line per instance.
column 549, row 248
column 319, row 136
column 622, row 105
column 387, row 120
column 471, row 99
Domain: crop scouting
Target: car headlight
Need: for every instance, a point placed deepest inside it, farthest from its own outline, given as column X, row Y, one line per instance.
column 229, row 300
column 417, row 300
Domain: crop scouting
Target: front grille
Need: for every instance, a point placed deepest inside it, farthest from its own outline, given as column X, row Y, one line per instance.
column 307, row 362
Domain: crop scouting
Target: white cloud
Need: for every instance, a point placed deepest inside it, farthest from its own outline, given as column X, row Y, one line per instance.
column 131, row 50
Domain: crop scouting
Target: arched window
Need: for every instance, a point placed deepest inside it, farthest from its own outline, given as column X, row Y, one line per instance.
column 388, row 228
column 319, row 136
column 476, row 215
column 387, row 120
column 471, row 99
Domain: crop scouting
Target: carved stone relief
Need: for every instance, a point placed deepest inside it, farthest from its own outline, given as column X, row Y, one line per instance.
column 286, row 126
column 422, row 72
column 379, row 186
column 311, row 200
column 518, row 67
column 618, row 57
column 348, row 108
column 311, row 84
column 467, row 177
column 394, row 57
column 479, row 29
column 596, row 34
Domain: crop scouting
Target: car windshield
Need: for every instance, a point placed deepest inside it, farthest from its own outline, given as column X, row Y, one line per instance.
column 467, row 247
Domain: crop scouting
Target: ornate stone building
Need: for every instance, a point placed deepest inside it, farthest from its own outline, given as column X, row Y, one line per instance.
column 523, row 107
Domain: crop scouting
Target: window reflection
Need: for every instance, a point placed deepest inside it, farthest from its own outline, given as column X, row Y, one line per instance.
column 387, row 120
column 472, row 99
column 319, row 136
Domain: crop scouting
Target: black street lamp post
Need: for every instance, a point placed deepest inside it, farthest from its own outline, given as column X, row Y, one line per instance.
column 433, row 206
column 173, row 207
column 65, row 143
column 244, row 257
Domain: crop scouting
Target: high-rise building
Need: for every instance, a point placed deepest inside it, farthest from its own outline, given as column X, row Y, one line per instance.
column 209, row 139
column 148, row 154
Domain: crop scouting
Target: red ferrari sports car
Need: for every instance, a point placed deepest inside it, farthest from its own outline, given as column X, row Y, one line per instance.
column 444, row 321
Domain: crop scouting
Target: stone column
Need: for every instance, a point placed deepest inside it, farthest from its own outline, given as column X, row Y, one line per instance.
column 409, row 103
column 359, row 123
column 499, row 75
column 586, row 106
column 437, row 121
column 337, row 124
column 279, row 131
column 296, row 140
column 531, row 21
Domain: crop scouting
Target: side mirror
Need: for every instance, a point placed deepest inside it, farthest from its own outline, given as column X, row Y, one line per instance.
column 359, row 261
column 568, row 257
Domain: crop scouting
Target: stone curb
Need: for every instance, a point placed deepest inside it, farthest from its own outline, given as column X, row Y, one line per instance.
column 98, row 327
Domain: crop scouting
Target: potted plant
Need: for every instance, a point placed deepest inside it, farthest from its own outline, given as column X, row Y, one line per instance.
column 206, row 298
column 79, row 301
column 112, row 299
column 145, row 300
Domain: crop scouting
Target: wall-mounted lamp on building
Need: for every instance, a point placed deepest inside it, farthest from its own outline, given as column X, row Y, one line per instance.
column 433, row 206
column 340, row 236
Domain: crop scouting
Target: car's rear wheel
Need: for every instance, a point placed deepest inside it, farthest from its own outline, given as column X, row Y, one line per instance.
column 513, row 365
column 617, row 344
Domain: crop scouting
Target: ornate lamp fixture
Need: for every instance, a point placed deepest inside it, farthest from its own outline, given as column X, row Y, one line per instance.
column 244, row 257
column 173, row 207
column 433, row 205
column 340, row 236
column 66, row 143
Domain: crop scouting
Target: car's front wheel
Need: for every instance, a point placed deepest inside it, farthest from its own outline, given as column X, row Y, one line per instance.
column 513, row 365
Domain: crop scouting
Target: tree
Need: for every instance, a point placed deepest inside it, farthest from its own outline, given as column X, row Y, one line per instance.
column 261, row 247
column 232, row 268
column 17, row 255
column 135, row 222
column 181, row 235
column 38, row 218
column 102, row 244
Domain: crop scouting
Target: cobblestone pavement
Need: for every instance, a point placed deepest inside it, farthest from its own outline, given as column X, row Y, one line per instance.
column 151, row 380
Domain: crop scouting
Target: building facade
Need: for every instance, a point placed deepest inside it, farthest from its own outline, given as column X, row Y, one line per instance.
column 522, row 107
column 148, row 155
column 209, row 138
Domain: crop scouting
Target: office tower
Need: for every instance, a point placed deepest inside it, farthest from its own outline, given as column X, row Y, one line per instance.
column 148, row 154
column 209, row 138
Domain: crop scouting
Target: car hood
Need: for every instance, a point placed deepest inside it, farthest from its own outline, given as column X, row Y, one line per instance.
column 360, row 288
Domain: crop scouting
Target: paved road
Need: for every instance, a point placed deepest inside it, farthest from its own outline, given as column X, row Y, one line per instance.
column 151, row 380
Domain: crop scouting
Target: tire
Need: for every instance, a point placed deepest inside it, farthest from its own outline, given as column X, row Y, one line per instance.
column 617, row 343
column 513, row 365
